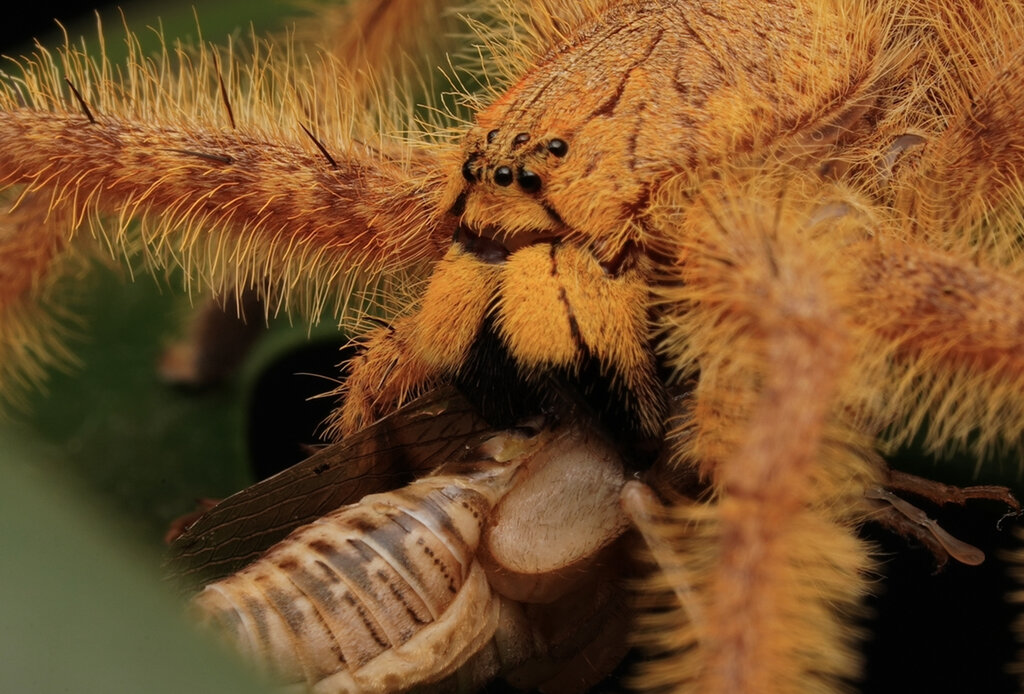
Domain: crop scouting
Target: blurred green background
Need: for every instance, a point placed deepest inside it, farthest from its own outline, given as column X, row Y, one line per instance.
column 101, row 460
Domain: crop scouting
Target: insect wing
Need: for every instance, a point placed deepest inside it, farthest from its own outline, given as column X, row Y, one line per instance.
column 432, row 429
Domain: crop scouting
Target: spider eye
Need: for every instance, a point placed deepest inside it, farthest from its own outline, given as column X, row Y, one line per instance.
column 503, row 176
column 529, row 181
column 491, row 135
column 467, row 172
column 521, row 139
column 558, row 147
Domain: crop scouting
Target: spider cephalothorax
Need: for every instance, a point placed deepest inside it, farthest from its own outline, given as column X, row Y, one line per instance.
column 799, row 218
column 631, row 100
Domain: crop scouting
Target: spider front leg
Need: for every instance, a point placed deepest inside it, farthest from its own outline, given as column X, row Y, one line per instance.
column 35, row 263
column 247, row 194
column 802, row 354
column 947, row 352
column 771, row 564
column 948, row 273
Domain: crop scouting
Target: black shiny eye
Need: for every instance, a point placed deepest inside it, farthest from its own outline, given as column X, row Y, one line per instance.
column 558, row 147
column 491, row 135
column 467, row 172
column 529, row 181
column 503, row 176
column 521, row 139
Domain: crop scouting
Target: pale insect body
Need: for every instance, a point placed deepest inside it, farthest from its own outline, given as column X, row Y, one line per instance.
column 345, row 590
column 398, row 590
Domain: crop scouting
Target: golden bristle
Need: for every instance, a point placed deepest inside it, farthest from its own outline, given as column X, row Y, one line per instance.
column 217, row 158
column 37, row 271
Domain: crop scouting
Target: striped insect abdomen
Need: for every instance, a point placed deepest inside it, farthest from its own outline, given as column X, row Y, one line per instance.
column 355, row 600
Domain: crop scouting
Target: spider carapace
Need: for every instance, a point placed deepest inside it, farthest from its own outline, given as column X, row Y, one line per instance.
column 553, row 196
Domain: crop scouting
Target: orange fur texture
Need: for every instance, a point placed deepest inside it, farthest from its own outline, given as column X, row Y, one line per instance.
column 785, row 234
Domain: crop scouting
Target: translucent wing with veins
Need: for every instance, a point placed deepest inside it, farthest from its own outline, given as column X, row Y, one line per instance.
column 413, row 440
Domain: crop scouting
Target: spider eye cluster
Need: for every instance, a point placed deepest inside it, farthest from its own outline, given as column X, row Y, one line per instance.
column 514, row 171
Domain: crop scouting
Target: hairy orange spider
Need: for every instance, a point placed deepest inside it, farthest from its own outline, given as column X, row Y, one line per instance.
column 771, row 239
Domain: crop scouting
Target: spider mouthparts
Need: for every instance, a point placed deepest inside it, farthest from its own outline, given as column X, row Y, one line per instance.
column 485, row 245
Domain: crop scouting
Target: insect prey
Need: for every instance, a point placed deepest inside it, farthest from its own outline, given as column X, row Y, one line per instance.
column 448, row 581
